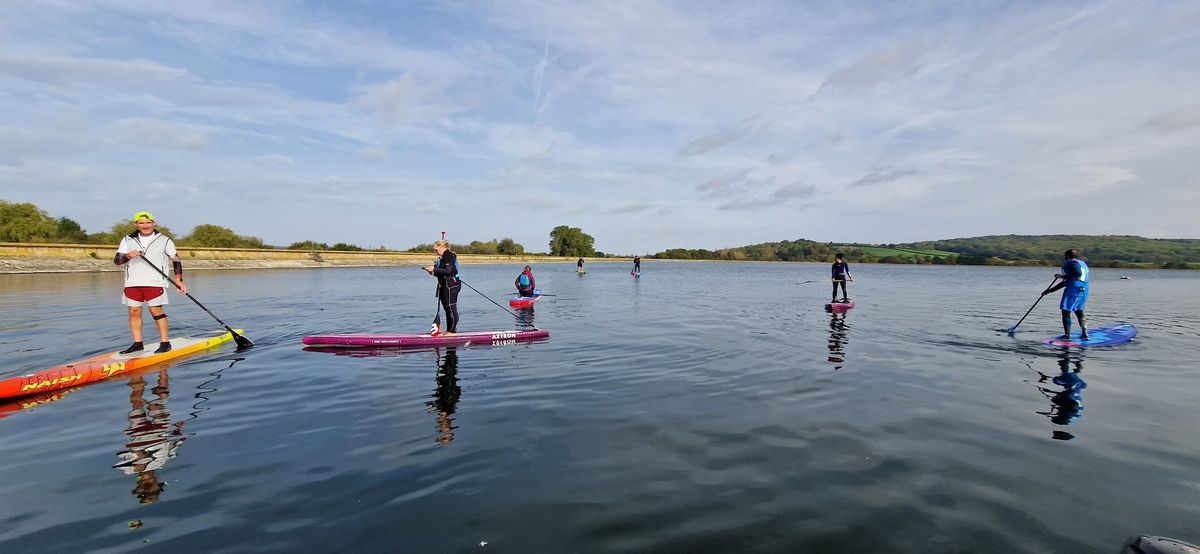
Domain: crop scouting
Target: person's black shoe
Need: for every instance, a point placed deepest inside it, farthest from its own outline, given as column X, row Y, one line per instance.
column 1083, row 336
column 135, row 347
column 163, row 347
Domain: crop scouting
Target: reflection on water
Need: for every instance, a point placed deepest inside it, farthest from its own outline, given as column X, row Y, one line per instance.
column 838, row 329
column 1066, row 394
column 153, row 438
column 523, row 318
column 445, row 396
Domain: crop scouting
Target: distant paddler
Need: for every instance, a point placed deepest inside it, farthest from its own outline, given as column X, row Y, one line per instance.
column 579, row 266
column 840, row 273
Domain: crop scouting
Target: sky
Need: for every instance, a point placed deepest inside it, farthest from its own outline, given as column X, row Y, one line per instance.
column 648, row 124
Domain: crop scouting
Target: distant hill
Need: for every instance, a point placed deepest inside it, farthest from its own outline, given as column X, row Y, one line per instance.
column 1098, row 250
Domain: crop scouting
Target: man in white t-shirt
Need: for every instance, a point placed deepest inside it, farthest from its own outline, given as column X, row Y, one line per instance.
column 145, row 285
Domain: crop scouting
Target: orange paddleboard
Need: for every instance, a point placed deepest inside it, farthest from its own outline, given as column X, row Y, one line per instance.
column 103, row 366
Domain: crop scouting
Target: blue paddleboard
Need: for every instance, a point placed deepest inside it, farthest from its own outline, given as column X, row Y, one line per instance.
column 1104, row 335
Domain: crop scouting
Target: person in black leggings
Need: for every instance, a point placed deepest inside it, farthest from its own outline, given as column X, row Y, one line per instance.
column 840, row 274
column 446, row 271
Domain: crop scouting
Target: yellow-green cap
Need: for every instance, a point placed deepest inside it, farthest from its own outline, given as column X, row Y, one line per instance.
column 142, row 215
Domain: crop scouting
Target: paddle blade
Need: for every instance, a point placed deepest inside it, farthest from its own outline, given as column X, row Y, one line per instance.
column 242, row 342
column 436, row 328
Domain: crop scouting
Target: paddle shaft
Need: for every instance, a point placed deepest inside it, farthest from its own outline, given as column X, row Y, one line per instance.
column 494, row 302
column 241, row 341
column 1035, row 303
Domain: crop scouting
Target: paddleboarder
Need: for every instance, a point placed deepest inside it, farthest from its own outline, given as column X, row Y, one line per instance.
column 840, row 274
column 637, row 265
column 144, row 285
column 1075, row 278
column 579, row 266
column 525, row 283
column 445, row 268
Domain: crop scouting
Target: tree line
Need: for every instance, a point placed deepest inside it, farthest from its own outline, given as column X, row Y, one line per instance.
column 25, row 222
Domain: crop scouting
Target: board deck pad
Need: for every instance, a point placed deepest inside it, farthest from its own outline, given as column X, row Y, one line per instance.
column 1104, row 335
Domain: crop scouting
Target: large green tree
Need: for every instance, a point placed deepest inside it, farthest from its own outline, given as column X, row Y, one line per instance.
column 25, row 223
column 571, row 241
column 215, row 236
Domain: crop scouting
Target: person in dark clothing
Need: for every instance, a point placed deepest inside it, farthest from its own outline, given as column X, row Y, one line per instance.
column 445, row 268
column 579, row 266
column 637, row 265
column 840, row 274
column 525, row 283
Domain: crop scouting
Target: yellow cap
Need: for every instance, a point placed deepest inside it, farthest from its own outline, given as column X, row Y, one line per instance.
column 142, row 215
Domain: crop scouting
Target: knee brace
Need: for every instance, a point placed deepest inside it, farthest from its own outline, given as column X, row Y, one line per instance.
column 159, row 316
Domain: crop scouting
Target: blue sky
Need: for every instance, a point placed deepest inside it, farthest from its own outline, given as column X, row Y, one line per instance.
column 648, row 124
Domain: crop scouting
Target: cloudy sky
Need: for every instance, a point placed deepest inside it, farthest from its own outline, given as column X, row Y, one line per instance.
column 648, row 124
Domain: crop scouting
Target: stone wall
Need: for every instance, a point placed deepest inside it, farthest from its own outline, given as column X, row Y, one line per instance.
column 55, row 258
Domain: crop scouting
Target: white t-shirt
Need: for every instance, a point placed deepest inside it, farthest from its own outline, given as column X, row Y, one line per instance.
column 157, row 249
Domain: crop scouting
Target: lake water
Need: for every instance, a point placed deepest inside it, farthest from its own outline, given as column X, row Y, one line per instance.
column 702, row 407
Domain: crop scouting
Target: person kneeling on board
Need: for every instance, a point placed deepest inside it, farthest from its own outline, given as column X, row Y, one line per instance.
column 525, row 283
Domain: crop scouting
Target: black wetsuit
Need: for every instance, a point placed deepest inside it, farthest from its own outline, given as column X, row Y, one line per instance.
column 446, row 271
column 637, row 264
column 840, row 272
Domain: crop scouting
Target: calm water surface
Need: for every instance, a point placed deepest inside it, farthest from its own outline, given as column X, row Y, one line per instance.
column 702, row 407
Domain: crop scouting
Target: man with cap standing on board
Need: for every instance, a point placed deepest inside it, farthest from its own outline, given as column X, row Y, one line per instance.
column 144, row 285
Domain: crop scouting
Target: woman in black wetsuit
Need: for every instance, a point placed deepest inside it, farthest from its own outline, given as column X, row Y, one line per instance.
column 446, row 271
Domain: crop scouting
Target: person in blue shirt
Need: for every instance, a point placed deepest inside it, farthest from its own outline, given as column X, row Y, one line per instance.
column 840, row 274
column 1075, row 278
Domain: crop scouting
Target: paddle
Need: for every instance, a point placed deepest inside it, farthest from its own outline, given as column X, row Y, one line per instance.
column 242, row 342
column 436, row 328
column 489, row 299
column 1035, row 303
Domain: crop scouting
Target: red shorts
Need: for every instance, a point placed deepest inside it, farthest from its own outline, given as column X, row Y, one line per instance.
column 143, row 294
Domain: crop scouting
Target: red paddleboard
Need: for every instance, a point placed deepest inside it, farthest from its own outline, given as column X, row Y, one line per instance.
column 839, row 306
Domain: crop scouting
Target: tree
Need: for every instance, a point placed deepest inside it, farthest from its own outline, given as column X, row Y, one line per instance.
column 215, row 236
column 69, row 231
column 308, row 245
column 25, row 223
column 571, row 242
column 121, row 229
column 508, row 247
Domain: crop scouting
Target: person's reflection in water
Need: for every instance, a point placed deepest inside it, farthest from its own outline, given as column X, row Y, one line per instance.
column 153, row 439
column 524, row 319
column 837, row 337
column 1066, row 404
column 445, row 396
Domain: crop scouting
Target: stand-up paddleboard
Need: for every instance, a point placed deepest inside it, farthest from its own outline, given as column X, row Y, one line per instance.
column 581, row 273
column 635, row 274
column 475, row 337
column 103, row 366
column 1104, row 335
column 839, row 306
column 518, row 301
